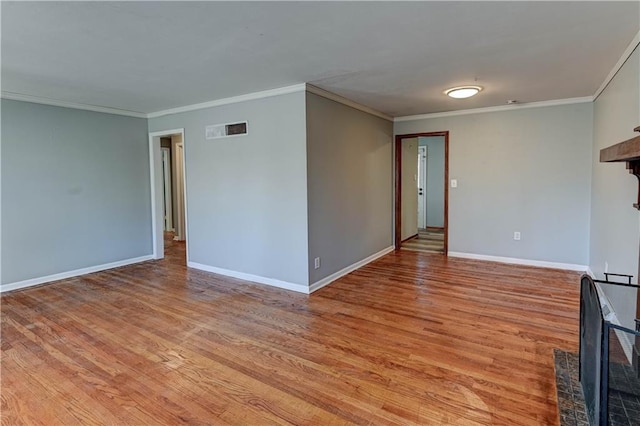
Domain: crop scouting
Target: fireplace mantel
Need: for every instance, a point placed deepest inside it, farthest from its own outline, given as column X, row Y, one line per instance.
column 627, row 151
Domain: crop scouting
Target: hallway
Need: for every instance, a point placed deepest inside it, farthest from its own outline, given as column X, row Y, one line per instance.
column 175, row 252
column 427, row 241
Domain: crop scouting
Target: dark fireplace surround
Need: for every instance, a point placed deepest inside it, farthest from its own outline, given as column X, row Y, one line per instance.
column 607, row 385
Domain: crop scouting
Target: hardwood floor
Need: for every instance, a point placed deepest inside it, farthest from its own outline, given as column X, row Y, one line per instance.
column 412, row 338
column 427, row 241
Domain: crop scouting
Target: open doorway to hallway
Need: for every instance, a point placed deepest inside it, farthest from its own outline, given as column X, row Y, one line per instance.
column 168, row 183
column 422, row 192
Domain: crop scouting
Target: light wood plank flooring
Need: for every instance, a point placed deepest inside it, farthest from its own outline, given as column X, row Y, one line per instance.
column 409, row 339
column 427, row 240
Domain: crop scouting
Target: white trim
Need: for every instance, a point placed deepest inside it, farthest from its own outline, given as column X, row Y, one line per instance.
column 625, row 55
column 348, row 102
column 555, row 102
column 184, row 195
column 168, row 199
column 516, row 261
column 326, row 94
column 250, row 277
column 590, row 272
column 232, row 100
column 341, row 273
column 69, row 274
column 568, row 101
column 64, row 104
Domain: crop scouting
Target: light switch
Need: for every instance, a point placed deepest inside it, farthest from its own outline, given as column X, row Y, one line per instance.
column 454, row 183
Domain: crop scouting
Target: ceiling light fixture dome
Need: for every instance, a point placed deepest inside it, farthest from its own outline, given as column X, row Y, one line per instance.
column 463, row 91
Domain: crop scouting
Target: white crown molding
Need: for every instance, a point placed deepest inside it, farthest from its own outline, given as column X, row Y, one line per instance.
column 341, row 273
column 328, row 95
column 517, row 261
column 340, row 99
column 625, row 55
column 69, row 274
column 232, row 100
column 555, row 102
column 55, row 102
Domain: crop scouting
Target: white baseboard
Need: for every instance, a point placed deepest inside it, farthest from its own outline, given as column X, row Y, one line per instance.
column 300, row 288
column 516, row 261
column 341, row 273
column 63, row 275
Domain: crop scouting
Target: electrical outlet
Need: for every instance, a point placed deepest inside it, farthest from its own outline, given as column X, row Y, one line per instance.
column 316, row 263
column 516, row 236
column 606, row 266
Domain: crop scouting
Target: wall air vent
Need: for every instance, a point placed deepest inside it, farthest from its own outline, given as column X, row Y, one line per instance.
column 218, row 131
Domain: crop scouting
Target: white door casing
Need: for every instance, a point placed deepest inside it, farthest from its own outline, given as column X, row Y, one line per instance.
column 155, row 178
column 422, row 187
column 168, row 205
column 180, row 223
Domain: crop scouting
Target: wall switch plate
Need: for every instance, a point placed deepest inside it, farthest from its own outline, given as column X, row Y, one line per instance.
column 316, row 263
column 516, row 236
column 454, row 183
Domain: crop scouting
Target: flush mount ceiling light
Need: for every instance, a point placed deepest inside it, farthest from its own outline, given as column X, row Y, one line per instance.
column 462, row 91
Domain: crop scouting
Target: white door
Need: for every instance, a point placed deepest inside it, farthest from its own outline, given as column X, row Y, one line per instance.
column 422, row 187
column 166, row 180
column 409, row 171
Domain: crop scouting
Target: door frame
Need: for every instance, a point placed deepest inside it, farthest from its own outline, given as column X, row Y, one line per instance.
column 398, row 185
column 168, row 201
column 179, row 172
column 155, row 180
column 422, row 182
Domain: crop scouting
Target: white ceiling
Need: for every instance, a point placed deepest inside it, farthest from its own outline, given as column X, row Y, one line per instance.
column 391, row 56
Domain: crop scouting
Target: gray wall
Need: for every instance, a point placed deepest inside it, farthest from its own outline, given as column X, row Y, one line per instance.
column 518, row 170
column 409, row 207
column 435, row 179
column 349, row 162
column 75, row 190
column 614, row 222
column 246, row 195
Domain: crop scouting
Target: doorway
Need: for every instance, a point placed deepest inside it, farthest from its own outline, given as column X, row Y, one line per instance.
column 168, row 195
column 422, row 186
column 167, row 186
column 422, row 196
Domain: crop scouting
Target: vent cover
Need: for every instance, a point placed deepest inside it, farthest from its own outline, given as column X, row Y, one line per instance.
column 226, row 130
